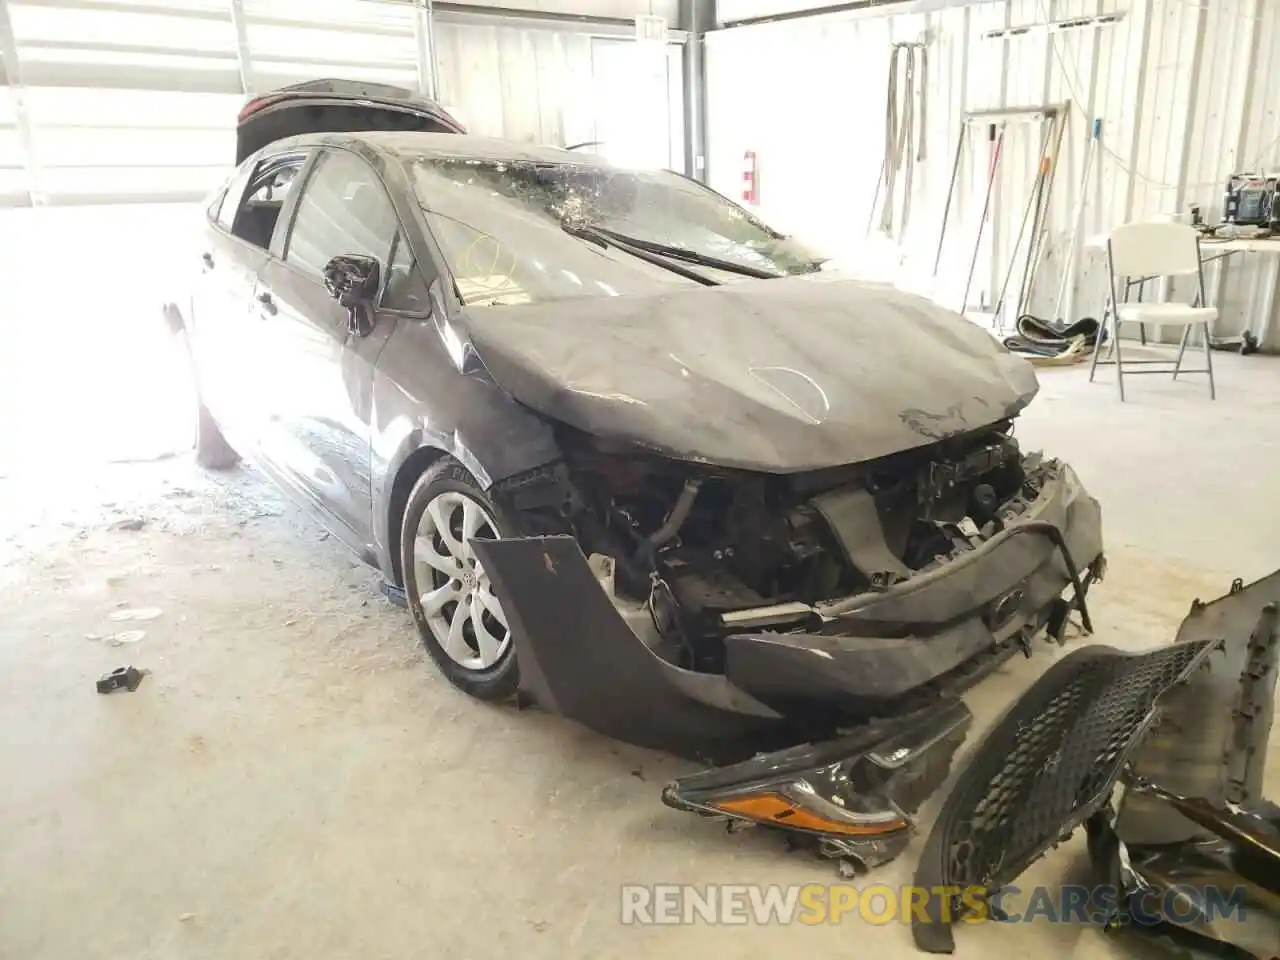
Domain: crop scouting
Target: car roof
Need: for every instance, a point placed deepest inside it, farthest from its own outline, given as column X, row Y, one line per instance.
column 410, row 144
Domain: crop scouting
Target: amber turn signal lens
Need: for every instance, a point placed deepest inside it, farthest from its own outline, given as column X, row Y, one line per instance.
column 769, row 808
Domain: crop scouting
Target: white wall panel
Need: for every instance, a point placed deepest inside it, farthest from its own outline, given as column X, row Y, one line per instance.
column 1185, row 90
column 520, row 84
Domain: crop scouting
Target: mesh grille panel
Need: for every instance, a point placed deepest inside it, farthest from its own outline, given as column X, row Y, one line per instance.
column 1052, row 760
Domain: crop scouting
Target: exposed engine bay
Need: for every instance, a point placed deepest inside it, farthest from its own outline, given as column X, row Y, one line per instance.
column 699, row 552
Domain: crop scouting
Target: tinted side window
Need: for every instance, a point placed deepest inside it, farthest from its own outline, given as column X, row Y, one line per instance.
column 343, row 209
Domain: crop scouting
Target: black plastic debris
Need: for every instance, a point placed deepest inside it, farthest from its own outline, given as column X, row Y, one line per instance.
column 121, row 678
column 394, row 594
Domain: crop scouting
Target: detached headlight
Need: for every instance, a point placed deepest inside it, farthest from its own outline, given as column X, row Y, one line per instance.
column 855, row 796
column 798, row 806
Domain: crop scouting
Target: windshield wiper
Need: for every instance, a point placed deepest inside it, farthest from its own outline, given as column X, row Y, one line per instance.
column 689, row 256
column 606, row 238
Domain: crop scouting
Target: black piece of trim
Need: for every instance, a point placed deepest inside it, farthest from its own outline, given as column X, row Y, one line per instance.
column 689, row 256
column 604, row 238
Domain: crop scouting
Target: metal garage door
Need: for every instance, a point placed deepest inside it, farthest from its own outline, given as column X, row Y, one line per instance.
column 134, row 100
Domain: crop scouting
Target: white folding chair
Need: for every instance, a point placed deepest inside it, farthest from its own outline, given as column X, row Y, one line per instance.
column 1145, row 251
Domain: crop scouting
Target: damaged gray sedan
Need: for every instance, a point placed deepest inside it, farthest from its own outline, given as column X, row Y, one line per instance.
column 631, row 452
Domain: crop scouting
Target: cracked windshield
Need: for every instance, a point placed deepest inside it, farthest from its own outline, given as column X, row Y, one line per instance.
column 521, row 231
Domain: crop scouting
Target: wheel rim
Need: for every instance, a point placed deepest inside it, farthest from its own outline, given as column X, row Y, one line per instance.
column 457, row 598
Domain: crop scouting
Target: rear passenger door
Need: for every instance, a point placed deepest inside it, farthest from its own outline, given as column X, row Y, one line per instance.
column 236, row 247
column 320, row 391
column 220, row 304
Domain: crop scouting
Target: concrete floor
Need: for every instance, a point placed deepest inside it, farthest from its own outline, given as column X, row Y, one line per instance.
column 294, row 780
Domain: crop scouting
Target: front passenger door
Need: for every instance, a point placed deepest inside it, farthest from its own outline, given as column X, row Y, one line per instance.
column 321, row 372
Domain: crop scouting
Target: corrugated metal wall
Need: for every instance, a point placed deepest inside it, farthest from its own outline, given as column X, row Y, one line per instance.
column 1188, row 91
column 563, row 88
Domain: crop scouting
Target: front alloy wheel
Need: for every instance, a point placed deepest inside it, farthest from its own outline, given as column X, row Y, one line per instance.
column 460, row 621
column 457, row 598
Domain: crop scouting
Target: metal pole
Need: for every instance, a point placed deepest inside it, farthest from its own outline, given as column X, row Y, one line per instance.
column 421, row 57
column 1033, row 247
column 431, row 50
column 1076, row 223
column 997, row 145
column 697, row 18
column 951, row 192
column 13, row 75
column 875, row 197
column 244, row 60
column 1036, row 251
column 1013, row 257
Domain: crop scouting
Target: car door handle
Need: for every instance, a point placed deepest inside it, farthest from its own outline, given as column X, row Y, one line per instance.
column 268, row 303
column 208, row 259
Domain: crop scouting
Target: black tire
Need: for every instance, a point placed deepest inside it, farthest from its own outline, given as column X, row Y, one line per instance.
column 211, row 447
column 502, row 680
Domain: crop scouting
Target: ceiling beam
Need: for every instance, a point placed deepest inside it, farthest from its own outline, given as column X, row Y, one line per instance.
column 882, row 7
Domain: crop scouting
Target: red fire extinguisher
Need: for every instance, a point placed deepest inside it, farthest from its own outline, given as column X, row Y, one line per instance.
column 750, row 186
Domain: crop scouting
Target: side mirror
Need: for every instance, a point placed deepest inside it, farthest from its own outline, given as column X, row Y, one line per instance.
column 353, row 280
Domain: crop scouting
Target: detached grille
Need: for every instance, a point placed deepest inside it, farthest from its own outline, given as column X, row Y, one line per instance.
column 1048, row 765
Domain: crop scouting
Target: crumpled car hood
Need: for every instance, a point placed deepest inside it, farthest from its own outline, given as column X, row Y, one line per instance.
column 779, row 375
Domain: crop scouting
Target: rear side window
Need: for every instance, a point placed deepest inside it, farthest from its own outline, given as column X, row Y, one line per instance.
column 264, row 198
column 343, row 209
column 226, row 212
column 274, row 185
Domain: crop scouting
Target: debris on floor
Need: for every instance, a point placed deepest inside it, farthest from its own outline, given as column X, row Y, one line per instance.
column 129, row 523
column 117, row 639
column 121, row 678
column 135, row 613
column 122, row 637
